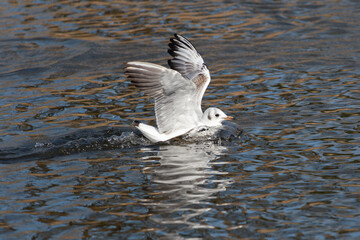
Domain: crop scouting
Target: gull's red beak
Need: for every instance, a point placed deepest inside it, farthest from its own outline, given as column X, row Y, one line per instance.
column 229, row 118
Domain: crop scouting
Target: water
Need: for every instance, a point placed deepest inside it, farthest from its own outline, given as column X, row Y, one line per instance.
column 288, row 71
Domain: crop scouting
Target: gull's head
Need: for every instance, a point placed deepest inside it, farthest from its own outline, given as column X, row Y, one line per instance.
column 214, row 117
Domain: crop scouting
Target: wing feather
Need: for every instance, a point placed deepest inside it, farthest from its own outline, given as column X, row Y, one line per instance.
column 174, row 95
column 187, row 61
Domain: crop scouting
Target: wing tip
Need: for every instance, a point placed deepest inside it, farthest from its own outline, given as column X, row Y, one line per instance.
column 176, row 36
column 171, row 64
column 179, row 40
column 172, row 52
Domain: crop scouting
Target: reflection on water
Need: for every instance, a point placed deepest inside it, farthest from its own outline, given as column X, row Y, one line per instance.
column 182, row 183
column 286, row 70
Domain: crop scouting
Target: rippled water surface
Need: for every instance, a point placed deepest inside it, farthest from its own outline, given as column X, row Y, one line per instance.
column 72, row 168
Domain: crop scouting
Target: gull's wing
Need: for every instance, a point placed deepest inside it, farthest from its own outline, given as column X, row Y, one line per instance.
column 174, row 95
column 187, row 61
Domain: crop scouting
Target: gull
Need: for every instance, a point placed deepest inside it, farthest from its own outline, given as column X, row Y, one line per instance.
column 177, row 91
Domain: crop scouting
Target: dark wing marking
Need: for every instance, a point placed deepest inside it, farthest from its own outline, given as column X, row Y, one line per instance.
column 187, row 61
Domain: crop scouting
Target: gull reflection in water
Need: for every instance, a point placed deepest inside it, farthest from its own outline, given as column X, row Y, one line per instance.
column 184, row 185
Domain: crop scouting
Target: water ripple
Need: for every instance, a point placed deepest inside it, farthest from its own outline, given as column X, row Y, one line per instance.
column 286, row 70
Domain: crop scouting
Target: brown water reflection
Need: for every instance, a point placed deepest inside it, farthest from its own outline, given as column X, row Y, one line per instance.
column 287, row 70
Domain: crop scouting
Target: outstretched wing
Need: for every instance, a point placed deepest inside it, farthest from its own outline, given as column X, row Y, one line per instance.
column 174, row 95
column 187, row 61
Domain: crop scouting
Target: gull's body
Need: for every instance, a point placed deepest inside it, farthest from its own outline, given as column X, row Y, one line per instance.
column 177, row 92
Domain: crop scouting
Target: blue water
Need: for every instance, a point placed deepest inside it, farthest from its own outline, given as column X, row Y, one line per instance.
column 71, row 166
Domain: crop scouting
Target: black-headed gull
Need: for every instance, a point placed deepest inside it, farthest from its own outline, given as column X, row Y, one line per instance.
column 177, row 92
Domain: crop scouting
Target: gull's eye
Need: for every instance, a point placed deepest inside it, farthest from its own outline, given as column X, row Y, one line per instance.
column 217, row 115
